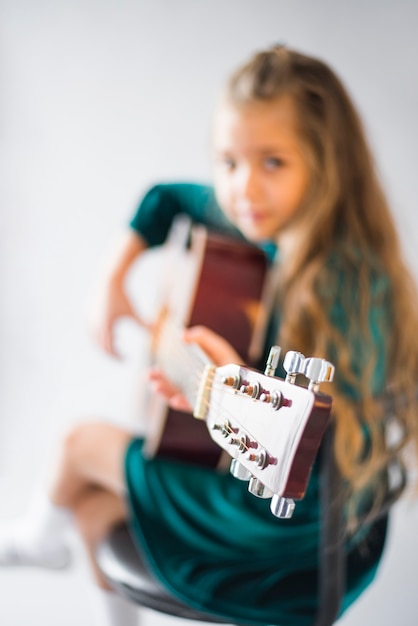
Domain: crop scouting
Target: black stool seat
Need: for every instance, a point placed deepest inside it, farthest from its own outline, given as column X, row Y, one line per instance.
column 121, row 564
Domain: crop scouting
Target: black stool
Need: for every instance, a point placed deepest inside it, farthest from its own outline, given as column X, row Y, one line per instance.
column 127, row 574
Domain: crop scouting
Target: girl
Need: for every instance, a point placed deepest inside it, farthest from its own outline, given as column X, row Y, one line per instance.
column 292, row 174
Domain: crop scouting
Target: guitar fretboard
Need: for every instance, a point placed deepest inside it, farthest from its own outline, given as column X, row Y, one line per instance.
column 182, row 363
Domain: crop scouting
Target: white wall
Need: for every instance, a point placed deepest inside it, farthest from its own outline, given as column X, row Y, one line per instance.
column 98, row 100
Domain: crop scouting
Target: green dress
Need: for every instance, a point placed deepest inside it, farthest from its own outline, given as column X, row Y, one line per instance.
column 210, row 542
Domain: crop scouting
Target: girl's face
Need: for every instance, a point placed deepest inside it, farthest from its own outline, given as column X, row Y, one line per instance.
column 260, row 171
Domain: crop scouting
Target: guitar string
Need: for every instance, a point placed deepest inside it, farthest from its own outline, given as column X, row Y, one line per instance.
column 213, row 382
column 226, row 416
column 186, row 354
column 197, row 362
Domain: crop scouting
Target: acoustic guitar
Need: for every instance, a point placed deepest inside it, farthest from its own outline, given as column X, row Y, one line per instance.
column 218, row 282
column 270, row 427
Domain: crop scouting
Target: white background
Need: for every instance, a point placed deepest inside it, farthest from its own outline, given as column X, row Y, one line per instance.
column 100, row 99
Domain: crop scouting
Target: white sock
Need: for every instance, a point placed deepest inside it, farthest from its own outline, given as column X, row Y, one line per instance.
column 38, row 537
column 111, row 609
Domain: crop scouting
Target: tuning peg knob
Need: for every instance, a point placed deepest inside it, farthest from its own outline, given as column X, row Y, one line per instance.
column 238, row 470
column 272, row 361
column 282, row 507
column 293, row 365
column 318, row 371
column 257, row 488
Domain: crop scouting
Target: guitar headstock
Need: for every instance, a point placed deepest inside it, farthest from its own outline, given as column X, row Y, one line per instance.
column 272, row 428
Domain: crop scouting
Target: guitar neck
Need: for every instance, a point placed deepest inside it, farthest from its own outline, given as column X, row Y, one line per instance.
column 182, row 363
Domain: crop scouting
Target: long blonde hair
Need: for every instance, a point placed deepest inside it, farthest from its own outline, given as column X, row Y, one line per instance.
column 345, row 232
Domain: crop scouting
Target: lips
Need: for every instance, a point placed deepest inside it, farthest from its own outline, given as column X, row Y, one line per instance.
column 253, row 216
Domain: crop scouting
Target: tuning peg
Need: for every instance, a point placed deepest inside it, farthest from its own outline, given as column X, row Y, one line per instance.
column 293, row 365
column 253, row 391
column 257, row 488
column 224, row 428
column 238, row 470
column 241, row 441
column 272, row 361
column 318, row 371
column 259, row 458
column 282, row 507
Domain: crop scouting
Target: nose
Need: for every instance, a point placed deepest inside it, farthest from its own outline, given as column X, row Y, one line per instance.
column 248, row 184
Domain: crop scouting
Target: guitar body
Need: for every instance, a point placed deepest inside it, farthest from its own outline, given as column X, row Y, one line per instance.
column 219, row 283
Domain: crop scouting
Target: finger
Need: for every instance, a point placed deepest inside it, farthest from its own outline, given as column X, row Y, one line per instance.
column 154, row 373
column 180, row 403
column 140, row 320
column 108, row 343
column 218, row 349
column 201, row 335
column 161, row 384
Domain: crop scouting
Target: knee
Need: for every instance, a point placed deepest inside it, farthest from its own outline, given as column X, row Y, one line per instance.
column 78, row 438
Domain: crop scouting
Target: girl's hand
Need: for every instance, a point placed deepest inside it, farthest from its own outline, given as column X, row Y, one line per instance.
column 111, row 301
column 164, row 387
column 111, row 304
column 218, row 349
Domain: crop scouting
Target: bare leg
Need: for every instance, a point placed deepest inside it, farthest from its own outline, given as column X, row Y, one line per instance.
column 90, row 459
column 89, row 482
column 92, row 455
column 89, row 479
column 96, row 512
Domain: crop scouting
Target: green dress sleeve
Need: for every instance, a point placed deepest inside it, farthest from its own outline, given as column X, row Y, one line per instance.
column 163, row 202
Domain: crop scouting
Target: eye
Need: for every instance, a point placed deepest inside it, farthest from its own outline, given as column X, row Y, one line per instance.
column 273, row 163
column 228, row 163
